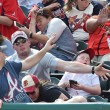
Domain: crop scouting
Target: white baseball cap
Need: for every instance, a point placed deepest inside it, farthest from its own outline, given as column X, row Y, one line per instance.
column 29, row 83
column 18, row 34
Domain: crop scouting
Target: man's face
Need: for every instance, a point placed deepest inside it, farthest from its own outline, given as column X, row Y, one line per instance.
column 83, row 58
column 22, row 46
column 34, row 94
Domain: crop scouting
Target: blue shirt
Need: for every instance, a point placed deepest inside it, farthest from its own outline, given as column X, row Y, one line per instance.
column 11, row 90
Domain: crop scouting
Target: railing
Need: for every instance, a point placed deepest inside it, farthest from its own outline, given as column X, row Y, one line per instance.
column 53, row 106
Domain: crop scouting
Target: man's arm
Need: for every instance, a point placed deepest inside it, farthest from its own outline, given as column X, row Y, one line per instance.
column 96, row 90
column 32, row 60
column 73, row 67
column 39, row 37
column 90, row 23
column 6, row 21
column 93, row 22
column 52, row 6
column 76, row 67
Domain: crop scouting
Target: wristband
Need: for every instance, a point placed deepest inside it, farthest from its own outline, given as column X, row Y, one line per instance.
column 30, row 35
column 93, row 70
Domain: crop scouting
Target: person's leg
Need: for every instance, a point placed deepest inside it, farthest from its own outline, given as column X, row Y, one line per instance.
column 76, row 99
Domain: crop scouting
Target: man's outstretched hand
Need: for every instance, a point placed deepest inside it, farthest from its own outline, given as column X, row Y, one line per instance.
column 102, row 72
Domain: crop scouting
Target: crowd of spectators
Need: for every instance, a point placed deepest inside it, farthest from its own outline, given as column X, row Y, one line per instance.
column 50, row 25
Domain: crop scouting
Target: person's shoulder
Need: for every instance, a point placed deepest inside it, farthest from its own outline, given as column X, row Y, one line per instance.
column 12, row 57
column 11, row 62
column 56, row 20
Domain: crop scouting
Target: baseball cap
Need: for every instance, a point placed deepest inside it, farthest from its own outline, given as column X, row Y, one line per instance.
column 18, row 34
column 29, row 83
column 89, row 51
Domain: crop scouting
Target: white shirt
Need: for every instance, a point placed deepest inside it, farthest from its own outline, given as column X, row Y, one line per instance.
column 42, row 69
column 76, row 15
column 84, row 79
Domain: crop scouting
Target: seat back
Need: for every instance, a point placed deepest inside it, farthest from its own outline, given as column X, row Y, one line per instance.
column 104, row 84
column 96, row 98
column 81, row 45
column 54, row 80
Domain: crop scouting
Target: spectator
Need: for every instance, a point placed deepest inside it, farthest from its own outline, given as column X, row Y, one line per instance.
column 48, row 26
column 43, row 91
column 87, row 84
column 41, row 69
column 6, row 46
column 10, row 13
column 98, row 35
column 78, row 12
column 11, row 90
column 56, row 6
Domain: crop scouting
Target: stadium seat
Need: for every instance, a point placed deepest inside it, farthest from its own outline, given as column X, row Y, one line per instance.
column 105, row 86
column 81, row 45
column 54, row 80
column 96, row 98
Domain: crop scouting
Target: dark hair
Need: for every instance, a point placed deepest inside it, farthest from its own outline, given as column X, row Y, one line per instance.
column 48, row 2
column 44, row 12
column 68, row 5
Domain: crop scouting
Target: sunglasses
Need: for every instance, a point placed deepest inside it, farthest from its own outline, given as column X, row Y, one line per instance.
column 17, row 43
column 30, row 93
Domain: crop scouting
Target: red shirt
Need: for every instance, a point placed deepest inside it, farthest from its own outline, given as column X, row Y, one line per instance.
column 11, row 9
column 98, row 40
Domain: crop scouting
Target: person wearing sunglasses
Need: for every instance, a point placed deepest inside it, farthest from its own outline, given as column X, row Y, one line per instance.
column 42, row 69
column 44, row 91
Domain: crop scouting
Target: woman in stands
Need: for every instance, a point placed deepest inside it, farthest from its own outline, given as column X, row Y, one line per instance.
column 48, row 26
column 78, row 11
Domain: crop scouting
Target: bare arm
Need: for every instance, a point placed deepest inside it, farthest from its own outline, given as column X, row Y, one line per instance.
column 73, row 67
column 32, row 25
column 76, row 67
column 52, row 6
column 6, row 21
column 32, row 60
column 95, row 90
column 92, row 23
column 39, row 37
column 63, row 97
